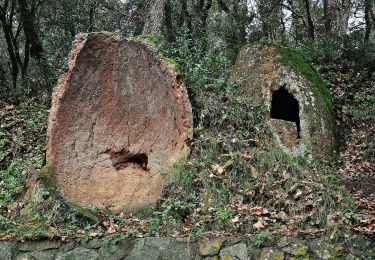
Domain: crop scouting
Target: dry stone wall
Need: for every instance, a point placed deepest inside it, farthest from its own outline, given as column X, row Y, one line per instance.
column 227, row 248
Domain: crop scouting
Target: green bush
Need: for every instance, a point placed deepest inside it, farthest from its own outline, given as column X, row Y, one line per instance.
column 363, row 109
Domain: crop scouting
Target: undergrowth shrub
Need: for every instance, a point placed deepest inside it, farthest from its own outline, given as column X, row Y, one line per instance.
column 346, row 51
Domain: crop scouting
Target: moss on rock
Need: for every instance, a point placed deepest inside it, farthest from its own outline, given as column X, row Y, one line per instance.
column 160, row 47
column 281, row 77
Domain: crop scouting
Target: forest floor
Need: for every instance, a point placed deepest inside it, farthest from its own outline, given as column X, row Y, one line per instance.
column 354, row 99
column 277, row 195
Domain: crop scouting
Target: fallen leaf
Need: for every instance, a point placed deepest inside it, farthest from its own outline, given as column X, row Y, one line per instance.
column 259, row 225
column 236, row 219
column 217, row 168
column 298, row 194
column 254, row 172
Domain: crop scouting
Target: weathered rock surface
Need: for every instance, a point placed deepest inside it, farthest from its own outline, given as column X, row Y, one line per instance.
column 119, row 120
column 300, row 108
column 238, row 251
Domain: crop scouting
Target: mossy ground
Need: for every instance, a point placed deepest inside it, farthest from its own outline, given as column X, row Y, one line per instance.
column 235, row 178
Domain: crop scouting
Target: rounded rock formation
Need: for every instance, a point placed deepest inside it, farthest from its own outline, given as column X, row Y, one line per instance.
column 300, row 108
column 120, row 118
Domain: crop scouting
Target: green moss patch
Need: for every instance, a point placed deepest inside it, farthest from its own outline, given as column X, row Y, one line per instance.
column 296, row 60
column 160, row 47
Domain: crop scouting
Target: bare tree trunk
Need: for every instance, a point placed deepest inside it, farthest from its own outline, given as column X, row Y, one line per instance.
column 344, row 14
column 327, row 17
column 11, row 53
column 155, row 19
column 203, row 9
column 91, row 17
column 367, row 20
column 310, row 23
column 2, row 73
column 28, row 13
column 6, row 19
column 170, row 36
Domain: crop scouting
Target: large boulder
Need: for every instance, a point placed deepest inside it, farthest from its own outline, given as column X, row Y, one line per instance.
column 120, row 118
column 299, row 106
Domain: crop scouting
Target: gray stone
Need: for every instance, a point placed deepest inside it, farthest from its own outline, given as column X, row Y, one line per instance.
column 361, row 245
column 44, row 255
column 79, row 253
column 186, row 239
column 297, row 249
column 271, row 254
column 322, row 249
column 24, row 256
column 211, row 247
column 233, row 240
column 161, row 243
column 117, row 251
column 39, row 245
column 92, row 244
column 7, row 250
column 67, row 247
column 141, row 251
column 180, row 251
column 164, row 248
column 284, row 241
column 238, row 251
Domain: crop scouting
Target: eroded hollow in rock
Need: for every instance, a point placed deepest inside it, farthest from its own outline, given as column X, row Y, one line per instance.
column 285, row 107
column 122, row 159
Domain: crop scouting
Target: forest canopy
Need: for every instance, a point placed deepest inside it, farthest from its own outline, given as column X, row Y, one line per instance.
column 37, row 34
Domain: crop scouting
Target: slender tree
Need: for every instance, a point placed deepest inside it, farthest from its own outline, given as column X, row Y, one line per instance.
column 17, row 17
column 327, row 16
column 310, row 23
column 368, row 6
column 155, row 18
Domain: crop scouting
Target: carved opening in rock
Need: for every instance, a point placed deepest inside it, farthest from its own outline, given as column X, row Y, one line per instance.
column 123, row 159
column 285, row 107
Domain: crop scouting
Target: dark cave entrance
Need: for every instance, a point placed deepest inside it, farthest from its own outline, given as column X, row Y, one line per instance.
column 285, row 107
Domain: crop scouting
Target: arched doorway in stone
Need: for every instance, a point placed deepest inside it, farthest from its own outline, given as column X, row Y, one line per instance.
column 285, row 106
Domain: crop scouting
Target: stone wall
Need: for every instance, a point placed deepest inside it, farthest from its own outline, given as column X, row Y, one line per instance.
column 191, row 248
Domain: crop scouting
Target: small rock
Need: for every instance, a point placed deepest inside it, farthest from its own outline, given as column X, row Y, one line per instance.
column 67, row 247
column 117, row 251
column 210, row 247
column 162, row 243
column 79, row 253
column 297, row 249
column 271, row 254
column 44, row 255
column 7, row 250
column 39, row 246
column 142, row 251
column 283, row 242
column 238, row 251
column 254, row 172
column 24, row 256
column 92, row 244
